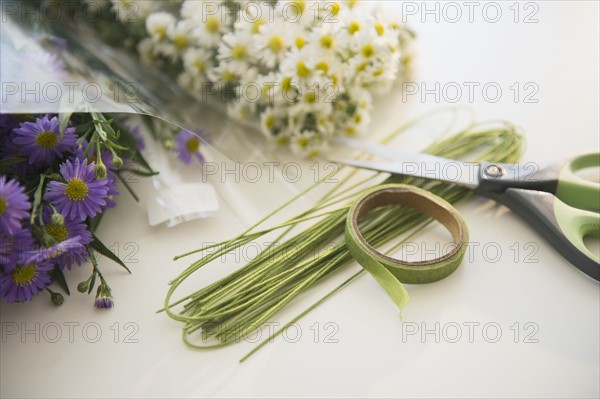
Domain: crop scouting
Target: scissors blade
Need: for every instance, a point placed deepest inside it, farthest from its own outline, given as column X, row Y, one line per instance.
column 413, row 164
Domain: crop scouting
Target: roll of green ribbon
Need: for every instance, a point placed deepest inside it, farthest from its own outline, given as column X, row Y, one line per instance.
column 389, row 272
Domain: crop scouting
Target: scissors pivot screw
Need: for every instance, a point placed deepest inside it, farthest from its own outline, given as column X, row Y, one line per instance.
column 494, row 171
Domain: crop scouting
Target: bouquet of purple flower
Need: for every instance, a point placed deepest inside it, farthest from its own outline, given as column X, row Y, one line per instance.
column 58, row 174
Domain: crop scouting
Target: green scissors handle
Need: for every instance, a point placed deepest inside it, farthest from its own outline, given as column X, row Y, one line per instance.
column 574, row 190
column 555, row 201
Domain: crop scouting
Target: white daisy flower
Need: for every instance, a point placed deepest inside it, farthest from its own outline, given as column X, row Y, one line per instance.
column 273, row 120
column 180, row 38
column 300, row 67
column 237, row 49
column 231, row 74
column 197, row 61
column 252, row 15
column 300, row 12
column 158, row 23
column 325, row 37
column 272, row 42
column 210, row 27
column 307, row 143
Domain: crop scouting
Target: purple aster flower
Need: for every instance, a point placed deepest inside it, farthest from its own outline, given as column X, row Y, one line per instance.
column 82, row 195
column 12, row 247
column 188, row 146
column 104, row 299
column 111, row 176
column 112, row 192
column 69, row 229
column 14, row 205
column 25, row 281
column 41, row 141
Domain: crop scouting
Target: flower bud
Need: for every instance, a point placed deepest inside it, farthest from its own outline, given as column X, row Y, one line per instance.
column 117, row 161
column 57, row 298
column 100, row 171
column 55, row 176
column 104, row 299
column 83, row 286
column 57, row 219
column 169, row 144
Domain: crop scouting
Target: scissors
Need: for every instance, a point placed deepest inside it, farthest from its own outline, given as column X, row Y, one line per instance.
column 563, row 207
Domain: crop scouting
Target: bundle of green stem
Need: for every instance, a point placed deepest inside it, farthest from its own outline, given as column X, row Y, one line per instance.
column 236, row 305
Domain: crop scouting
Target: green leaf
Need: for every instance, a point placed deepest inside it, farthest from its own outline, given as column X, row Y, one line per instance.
column 59, row 278
column 37, row 198
column 97, row 245
column 92, row 283
column 63, row 122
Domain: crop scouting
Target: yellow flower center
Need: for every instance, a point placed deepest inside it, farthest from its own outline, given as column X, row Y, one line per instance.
column 362, row 67
column 269, row 122
column 302, row 70
column 299, row 5
column 353, row 27
column 238, row 52
column 286, row 83
column 282, row 140
column 229, row 77
column 47, row 140
column 303, row 142
column 352, row 3
column 181, row 42
column 380, row 28
column 3, row 206
column 213, row 25
column 256, row 26
column 76, row 190
column 276, row 44
column 200, row 65
column 24, row 274
column 58, row 232
column 323, row 66
column 300, row 42
column 335, row 8
column 327, row 42
column 192, row 145
column 311, row 97
column 368, row 50
column 161, row 32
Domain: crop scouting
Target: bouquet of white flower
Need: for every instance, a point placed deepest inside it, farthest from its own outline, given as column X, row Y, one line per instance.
column 304, row 70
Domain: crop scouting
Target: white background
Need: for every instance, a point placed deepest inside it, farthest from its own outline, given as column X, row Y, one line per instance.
column 373, row 355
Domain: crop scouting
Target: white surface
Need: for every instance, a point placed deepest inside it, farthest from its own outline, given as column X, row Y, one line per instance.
column 373, row 356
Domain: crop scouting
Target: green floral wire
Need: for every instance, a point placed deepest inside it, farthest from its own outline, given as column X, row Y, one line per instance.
column 256, row 300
